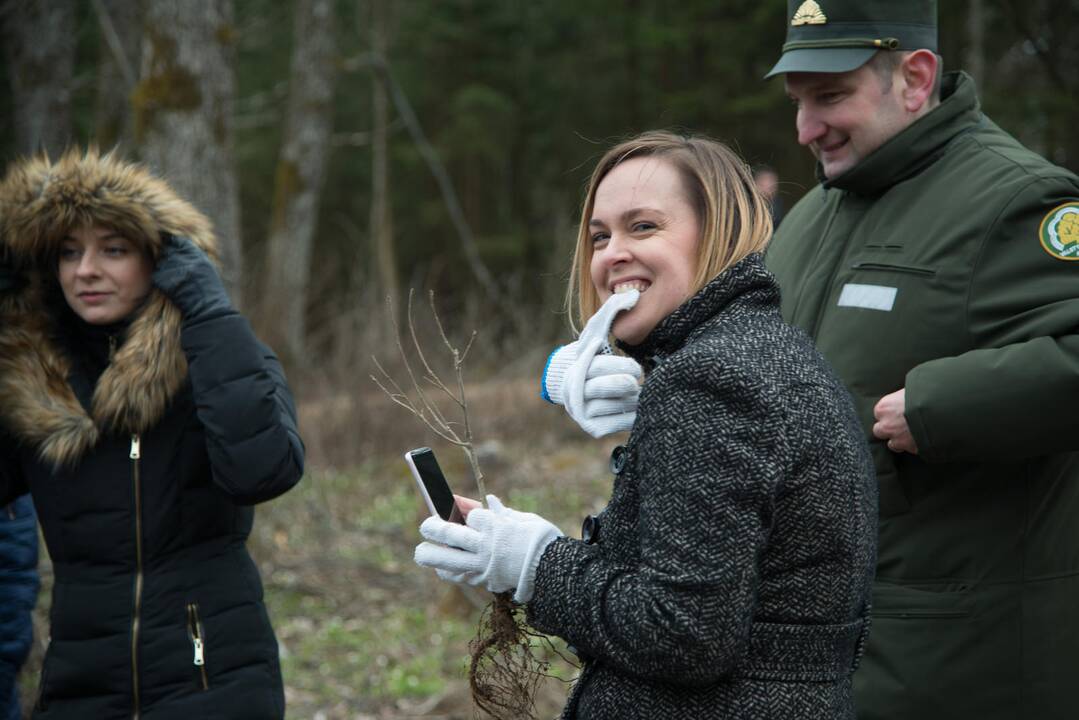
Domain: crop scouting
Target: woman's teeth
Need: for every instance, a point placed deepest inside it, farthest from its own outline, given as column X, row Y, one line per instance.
column 637, row 285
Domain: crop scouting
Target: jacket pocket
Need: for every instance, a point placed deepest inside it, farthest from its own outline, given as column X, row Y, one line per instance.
column 904, row 602
column 933, row 654
column 894, row 267
column 198, row 644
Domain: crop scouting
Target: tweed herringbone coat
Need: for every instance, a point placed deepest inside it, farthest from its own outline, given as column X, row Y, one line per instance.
column 729, row 575
column 144, row 443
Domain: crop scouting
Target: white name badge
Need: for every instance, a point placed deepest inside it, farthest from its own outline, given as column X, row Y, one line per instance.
column 870, row 297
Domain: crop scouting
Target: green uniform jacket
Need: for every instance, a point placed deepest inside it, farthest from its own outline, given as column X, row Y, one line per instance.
column 922, row 268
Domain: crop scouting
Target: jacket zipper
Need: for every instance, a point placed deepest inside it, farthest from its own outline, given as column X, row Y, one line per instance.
column 919, row 614
column 889, row 267
column 198, row 641
column 135, row 456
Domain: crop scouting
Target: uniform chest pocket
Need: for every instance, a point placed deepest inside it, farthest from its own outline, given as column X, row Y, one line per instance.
column 889, row 314
column 875, row 285
column 904, row 269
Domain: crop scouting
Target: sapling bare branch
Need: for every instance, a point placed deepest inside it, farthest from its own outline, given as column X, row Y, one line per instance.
column 504, row 674
column 419, row 402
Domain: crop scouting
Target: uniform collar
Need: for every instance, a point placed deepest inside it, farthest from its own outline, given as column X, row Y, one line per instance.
column 918, row 146
column 747, row 280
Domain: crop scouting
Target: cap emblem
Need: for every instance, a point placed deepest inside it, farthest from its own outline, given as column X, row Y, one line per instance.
column 1060, row 232
column 808, row 13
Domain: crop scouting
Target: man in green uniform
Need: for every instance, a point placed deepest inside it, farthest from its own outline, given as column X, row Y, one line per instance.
column 937, row 268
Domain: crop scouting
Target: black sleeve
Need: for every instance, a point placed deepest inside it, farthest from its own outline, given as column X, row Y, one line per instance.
column 245, row 407
column 12, row 483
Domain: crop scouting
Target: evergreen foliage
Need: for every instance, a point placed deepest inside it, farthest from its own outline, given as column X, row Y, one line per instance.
column 520, row 97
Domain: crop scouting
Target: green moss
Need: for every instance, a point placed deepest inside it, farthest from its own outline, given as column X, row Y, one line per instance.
column 168, row 85
column 225, row 34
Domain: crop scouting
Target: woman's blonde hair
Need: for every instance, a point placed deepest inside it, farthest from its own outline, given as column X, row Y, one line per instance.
column 735, row 219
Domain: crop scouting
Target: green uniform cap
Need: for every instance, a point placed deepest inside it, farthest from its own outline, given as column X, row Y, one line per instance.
column 841, row 35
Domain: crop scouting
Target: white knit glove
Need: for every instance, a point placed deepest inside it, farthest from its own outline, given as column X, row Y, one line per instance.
column 498, row 548
column 599, row 390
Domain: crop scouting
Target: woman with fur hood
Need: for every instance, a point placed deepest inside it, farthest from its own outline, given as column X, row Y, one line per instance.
column 144, row 416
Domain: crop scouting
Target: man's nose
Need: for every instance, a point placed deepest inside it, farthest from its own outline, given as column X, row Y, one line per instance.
column 809, row 127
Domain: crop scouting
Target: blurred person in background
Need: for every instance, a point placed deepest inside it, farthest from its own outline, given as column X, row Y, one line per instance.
column 146, row 419
column 767, row 180
column 729, row 574
column 18, row 574
column 18, row 594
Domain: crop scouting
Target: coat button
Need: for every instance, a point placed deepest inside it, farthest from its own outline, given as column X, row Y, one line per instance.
column 618, row 459
column 590, row 530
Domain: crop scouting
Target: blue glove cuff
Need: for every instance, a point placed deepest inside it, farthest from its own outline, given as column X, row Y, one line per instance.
column 543, row 381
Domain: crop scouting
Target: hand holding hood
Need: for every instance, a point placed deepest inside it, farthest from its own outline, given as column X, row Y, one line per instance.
column 40, row 203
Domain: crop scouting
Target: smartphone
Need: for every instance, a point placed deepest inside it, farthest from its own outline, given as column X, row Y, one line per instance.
column 432, row 483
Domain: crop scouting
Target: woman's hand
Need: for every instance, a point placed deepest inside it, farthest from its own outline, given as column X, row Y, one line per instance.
column 599, row 390
column 186, row 275
column 498, row 548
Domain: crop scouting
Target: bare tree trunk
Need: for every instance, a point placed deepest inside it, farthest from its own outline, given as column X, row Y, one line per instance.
column 381, row 226
column 975, row 55
column 121, row 31
column 301, row 168
column 39, row 45
column 183, row 113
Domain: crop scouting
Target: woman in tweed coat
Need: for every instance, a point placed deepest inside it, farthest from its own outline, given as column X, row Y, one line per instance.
column 729, row 575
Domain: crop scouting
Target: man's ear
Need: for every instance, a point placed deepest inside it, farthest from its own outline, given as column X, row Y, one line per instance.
column 919, row 71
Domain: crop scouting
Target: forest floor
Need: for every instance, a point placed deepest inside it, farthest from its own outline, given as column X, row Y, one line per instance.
column 364, row 633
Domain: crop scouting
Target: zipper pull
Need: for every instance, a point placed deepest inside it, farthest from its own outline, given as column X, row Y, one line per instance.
column 199, row 659
column 112, row 347
column 134, row 447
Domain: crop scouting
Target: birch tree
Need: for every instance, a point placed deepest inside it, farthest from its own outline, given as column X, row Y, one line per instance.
column 301, row 169
column 39, row 47
column 183, row 113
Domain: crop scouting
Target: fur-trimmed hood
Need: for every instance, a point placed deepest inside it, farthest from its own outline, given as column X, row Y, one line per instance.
column 40, row 203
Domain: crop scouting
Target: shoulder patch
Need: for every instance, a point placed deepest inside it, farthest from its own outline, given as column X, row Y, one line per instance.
column 1059, row 232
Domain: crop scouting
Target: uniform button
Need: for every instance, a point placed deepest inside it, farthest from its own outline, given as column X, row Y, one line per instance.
column 590, row 530
column 618, row 459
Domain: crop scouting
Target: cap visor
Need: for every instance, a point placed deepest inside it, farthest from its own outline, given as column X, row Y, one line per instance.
column 828, row 60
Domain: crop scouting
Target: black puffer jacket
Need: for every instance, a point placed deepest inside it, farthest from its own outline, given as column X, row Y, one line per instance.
column 144, row 446
column 731, row 574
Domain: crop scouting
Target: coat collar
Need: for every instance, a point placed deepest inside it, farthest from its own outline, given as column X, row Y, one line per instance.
column 747, row 282
column 917, row 146
column 131, row 395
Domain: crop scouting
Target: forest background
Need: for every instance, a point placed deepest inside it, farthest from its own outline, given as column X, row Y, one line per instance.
column 349, row 150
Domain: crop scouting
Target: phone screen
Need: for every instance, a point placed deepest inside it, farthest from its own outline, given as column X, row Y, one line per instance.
column 433, row 483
